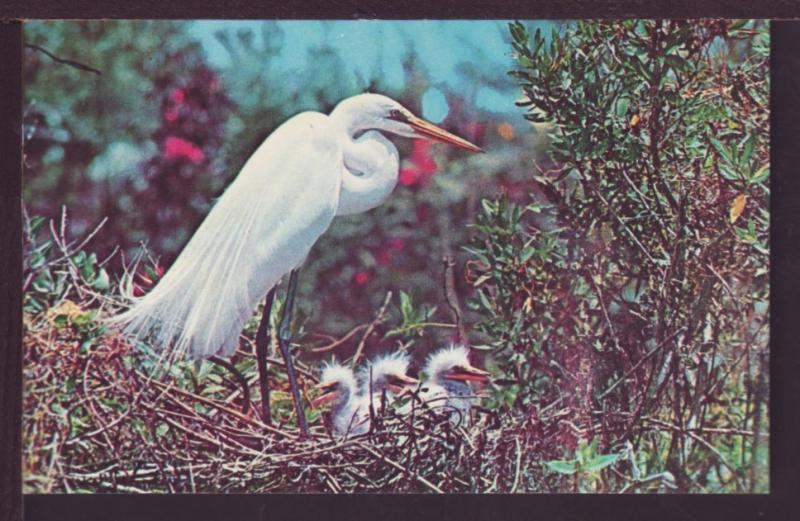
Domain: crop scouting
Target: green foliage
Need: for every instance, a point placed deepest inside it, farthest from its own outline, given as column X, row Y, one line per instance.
column 635, row 285
column 585, row 465
column 413, row 321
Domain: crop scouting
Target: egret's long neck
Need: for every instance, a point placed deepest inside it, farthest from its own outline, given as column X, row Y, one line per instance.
column 369, row 174
column 350, row 120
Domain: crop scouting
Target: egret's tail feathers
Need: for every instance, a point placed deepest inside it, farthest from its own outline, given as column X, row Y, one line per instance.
column 202, row 303
column 168, row 319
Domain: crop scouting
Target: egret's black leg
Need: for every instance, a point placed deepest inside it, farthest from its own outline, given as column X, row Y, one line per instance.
column 262, row 343
column 284, row 336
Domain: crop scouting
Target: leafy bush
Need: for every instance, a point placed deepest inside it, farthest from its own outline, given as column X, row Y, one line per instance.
column 633, row 290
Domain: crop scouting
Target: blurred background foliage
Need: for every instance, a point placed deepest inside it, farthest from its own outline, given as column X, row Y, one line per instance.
column 610, row 249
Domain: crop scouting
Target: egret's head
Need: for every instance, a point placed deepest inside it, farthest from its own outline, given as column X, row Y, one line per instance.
column 452, row 363
column 336, row 382
column 378, row 112
column 388, row 372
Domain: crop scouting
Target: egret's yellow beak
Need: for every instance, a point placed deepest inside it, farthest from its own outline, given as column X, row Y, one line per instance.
column 431, row 131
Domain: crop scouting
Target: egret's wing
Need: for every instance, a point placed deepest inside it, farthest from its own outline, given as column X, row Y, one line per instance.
column 262, row 227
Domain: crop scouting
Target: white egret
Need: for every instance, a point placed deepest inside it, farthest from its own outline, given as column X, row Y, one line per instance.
column 348, row 411
column 448, row 373
column 310, row 169
column 385, row 378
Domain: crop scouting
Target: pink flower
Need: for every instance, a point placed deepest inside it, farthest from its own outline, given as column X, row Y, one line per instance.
column 422, row 165
column 179, row 148
column 177, row 95
column 171, row 114
column 421, row 157
column 361, row 278
column 409, row 176
column 397, row 244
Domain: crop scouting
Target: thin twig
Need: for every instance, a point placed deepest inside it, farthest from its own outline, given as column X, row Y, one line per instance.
column 71, row 63
column 379, row 317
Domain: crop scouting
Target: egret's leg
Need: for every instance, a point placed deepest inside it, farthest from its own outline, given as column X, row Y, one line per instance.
column 284, row 336
column 262, row 343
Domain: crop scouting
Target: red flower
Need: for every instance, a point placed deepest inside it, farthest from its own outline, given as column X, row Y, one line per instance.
column 361, row 278
column 421, row 157
column 177, row 95
column 409, row 176
column 422, row 166
column 179, row 148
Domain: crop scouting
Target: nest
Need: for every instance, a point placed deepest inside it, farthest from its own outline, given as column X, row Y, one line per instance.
column 96, row 421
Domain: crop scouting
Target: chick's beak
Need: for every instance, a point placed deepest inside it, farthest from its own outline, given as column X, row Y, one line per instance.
column 467, row 373
column 430, row 131
column 402, row 384
column 325, row 397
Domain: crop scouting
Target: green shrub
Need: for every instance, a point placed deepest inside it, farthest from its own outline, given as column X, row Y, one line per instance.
column 632, row 291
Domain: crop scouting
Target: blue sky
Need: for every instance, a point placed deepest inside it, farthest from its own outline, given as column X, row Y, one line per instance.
column 369, row 45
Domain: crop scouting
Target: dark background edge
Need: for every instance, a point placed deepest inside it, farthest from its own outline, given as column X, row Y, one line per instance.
column 785, row 274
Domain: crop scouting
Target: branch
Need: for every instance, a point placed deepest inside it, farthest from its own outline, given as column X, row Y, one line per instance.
column 71, row 63
column 378, row 319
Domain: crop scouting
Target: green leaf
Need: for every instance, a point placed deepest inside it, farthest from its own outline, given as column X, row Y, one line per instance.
column 60, row 321
column 102, row 282
column 760, row 176
column 602, row 461
column 162, row 429
column 721, row 150
column 728, row 172
column 35, row 224
column 562, row 466
column 83, row 319
column 747, row 150
column 406, row 307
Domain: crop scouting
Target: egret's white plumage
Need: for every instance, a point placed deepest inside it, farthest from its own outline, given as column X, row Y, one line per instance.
column 442, row 390
column 385, row 374
column 349, row 413
column 310, row 169
column 261, row 227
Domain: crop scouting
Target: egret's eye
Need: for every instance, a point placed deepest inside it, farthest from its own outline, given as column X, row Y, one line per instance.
column 397, row 115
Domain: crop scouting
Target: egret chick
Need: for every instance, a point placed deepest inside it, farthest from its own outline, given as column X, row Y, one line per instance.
column 386, row 374
column 449, row 373
column 340, row 388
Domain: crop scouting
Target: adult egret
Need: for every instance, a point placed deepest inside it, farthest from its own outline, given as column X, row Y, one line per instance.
column 340, row 387
column 449, row 373
column 310, row 169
